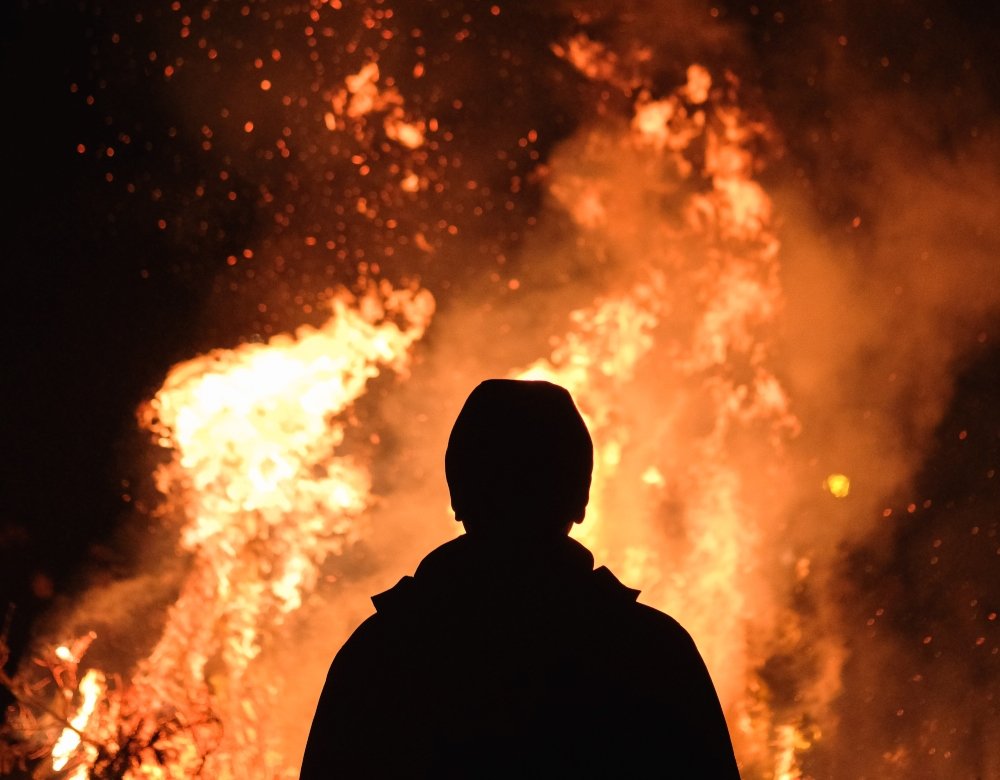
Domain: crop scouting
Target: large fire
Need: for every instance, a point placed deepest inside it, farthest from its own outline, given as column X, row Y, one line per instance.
column 267, row 474
column 256, row 472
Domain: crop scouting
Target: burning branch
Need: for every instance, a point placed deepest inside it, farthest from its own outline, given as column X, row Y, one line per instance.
column 97, row 727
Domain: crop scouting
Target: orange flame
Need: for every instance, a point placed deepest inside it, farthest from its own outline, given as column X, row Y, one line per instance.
column 92, row 687
column 265, row 493
column 690, row 542
column 254, row 434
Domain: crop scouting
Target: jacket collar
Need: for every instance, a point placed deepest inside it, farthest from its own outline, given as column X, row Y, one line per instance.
column 470, row 568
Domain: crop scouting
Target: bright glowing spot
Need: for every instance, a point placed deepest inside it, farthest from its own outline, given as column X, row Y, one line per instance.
column 839, row 485
column 651, row 118
column 411, row 183
column 410, row 135
column 652, row 476
column 91, row 687
column 699, row 82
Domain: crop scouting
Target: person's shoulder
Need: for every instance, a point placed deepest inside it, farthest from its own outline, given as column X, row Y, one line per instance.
column 376, row 629
column 648, row 621
column 370, row 630
column 371, row 644
column 395, row 599
column 611, row 588
column 395, row 609
column 652, row 626
column 660, row 621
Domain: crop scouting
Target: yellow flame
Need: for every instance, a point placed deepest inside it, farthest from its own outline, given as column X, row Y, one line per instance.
column 91, row 688
column 263, row 492
column 689, row 542
column 788, row 740
column 255, row 436
column 653, row 477
column 839, row 485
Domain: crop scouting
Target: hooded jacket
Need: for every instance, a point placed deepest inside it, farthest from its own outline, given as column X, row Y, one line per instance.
column 503, row 661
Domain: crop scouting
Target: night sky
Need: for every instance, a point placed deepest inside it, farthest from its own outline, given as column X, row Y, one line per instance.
column 101, row 297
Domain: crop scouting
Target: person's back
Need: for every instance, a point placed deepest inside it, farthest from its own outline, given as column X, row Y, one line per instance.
column 507, row 654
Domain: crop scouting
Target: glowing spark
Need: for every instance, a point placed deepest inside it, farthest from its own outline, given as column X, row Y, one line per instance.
column 652, row 476
column 839, row 485
column 699, row 82
column 410, row 135
column 364, row 90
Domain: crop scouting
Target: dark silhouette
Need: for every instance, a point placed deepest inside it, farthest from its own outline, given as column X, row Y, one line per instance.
column 507, row 654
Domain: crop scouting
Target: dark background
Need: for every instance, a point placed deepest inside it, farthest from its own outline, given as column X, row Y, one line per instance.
column 99, row 300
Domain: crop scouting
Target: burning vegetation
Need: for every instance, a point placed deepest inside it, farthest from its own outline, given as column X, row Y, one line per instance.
column 635, row 257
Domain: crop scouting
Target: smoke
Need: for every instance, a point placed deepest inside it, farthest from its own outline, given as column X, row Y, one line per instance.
column 726, row 374
column 890, row 277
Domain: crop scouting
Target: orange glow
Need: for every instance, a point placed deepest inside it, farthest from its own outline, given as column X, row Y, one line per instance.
column 628, row 252
column 839, row 485
column 410, row 135
column 91, row 688
column 265, row 493
column 254, row 435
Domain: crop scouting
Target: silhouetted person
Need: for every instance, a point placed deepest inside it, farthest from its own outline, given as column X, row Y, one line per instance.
column 507, row 654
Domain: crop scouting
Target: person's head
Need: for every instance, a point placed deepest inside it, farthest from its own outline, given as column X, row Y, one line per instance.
column 519, row 460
